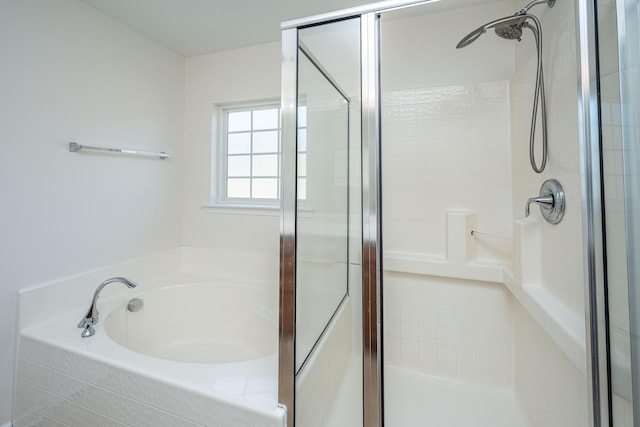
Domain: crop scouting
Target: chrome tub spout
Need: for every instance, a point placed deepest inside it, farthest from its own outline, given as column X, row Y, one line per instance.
column 91, row 318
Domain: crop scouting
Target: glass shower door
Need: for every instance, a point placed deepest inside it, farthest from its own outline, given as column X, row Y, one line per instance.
column 322, row 211
column 323, row 304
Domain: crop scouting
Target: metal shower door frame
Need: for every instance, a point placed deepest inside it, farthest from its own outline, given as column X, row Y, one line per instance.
column 593, row 221
column 373, row 398
column 288, row 199
column 371, row 205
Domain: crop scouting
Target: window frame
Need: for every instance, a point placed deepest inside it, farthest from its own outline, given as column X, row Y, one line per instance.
column 219, row 175
column 219, row 202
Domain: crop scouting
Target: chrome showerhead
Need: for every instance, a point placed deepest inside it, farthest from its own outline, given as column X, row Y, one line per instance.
column 509, row 32
column 509, row 27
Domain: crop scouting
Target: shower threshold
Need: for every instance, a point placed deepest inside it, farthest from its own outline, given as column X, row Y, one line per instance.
column 416, row 400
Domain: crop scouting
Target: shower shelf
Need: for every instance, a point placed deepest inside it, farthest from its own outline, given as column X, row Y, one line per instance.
column 442, row 267
column 564, row 327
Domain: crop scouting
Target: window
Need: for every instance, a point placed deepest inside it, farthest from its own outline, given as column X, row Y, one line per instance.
column 250, row 151
column 250, row 155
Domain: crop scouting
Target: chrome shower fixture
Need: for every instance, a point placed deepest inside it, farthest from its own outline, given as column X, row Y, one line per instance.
column 510, row 28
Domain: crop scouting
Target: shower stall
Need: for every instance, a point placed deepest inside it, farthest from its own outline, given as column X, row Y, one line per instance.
column 442, row 237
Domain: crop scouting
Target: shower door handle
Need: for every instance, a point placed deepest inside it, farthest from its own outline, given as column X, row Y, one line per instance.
column 551, row 201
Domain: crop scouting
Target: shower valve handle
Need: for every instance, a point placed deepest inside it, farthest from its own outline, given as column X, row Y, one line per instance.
column 546, row 201
column 551, row 201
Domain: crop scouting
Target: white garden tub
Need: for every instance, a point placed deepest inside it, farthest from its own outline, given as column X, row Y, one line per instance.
column 199, row 353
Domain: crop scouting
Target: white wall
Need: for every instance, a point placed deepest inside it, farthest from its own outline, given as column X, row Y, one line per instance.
column 70, row 73
column 239, row 75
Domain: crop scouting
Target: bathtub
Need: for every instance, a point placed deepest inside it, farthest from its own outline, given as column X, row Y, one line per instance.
column 198, row 353
column 203, row 322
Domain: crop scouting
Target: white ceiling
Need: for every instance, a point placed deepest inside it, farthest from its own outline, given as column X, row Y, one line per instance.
column 194, row 27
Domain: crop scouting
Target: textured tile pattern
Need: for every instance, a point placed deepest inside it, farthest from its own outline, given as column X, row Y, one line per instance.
column 452, row 329
column 60, row 388
column 435, row 141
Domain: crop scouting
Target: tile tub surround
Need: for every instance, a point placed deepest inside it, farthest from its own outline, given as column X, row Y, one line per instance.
column 65, row 387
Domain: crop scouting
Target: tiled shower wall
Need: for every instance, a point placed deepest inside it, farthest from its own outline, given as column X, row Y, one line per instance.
column 447, row 147
column 449, row 328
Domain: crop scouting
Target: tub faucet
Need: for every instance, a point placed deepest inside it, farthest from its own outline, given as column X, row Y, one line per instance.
column 91, row 318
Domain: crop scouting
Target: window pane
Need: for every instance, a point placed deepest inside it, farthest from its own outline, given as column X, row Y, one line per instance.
column 238, row 121
column 302, row 140
column 265, row 165
column 302, row 164
column 302, row 117
column 239, row 166
column 239, row 143
column 265, row 142
column 265, row 188
column 252, row 153
column 302, row 188
column 238, row 188
column 265, row 119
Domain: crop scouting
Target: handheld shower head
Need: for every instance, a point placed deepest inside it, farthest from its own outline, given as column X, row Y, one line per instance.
column 509, row 27
column 471, row 37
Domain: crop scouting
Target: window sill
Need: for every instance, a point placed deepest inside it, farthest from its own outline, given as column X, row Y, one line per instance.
column 230, row 209
column 258, row 210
